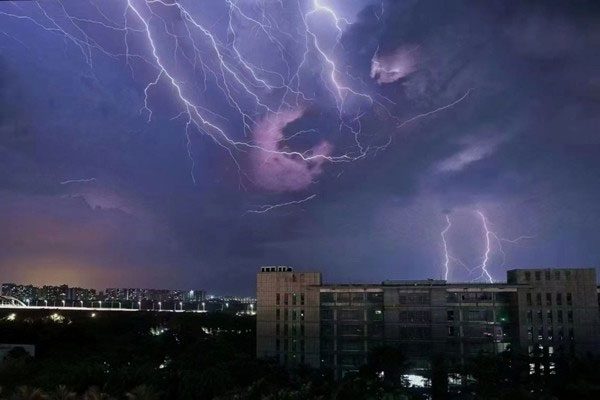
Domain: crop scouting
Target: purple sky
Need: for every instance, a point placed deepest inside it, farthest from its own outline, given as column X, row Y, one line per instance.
column 185, row 144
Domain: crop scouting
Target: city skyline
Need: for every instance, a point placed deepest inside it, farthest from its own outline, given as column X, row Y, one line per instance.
column 143, row 145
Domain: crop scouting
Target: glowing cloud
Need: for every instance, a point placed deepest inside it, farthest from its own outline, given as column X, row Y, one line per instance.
column 279, row 171
column 396, row 65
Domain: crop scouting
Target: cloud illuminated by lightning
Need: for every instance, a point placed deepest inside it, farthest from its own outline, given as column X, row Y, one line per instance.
column 194, row 59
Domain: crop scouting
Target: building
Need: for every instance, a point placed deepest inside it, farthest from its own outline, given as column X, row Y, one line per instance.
column 287, row 325
column 302, row 320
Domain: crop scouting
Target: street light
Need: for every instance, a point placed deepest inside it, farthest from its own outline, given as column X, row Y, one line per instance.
column 204, row 306
column 27, row 300
column 139, row 305
column 46, row 303
column 181, row 305
column 63, row 303
column 81, row 303
column 159, row 306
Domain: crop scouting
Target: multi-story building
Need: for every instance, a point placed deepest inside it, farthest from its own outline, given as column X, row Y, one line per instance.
column 288, row 322
column 301, row 320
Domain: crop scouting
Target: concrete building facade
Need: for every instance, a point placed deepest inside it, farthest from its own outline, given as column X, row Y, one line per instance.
column 302, row 320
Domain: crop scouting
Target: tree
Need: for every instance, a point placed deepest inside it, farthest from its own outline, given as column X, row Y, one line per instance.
column 391, row 362
column 28, row 393
column 94, row 393
column 63, row 393
column 142, row 392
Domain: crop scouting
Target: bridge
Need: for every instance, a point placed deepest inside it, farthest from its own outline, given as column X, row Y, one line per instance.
column 9, row 302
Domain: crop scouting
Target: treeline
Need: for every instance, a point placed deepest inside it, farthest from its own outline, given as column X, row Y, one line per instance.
column 212, row 356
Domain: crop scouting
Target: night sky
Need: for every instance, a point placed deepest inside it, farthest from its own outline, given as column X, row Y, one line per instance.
column 183, row 145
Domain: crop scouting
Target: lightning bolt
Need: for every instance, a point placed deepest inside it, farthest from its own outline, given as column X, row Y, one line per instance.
column 85, row 180
column 445, row 245
column 492, row 244
column 486, row 254
column 192, row 57
column 268, row 207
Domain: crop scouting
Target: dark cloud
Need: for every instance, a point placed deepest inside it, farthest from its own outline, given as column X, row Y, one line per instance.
column 523, row 146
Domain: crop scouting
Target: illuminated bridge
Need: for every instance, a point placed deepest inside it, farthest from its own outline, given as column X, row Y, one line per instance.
column 10, row 302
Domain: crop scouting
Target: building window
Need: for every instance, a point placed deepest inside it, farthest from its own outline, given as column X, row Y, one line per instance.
column 450, row 331
column 301, row 299
column 549, row 317
column 527, row 276
column 353, row 329
column 450, row 315
column 327, row 297
column 277, row 345
column 285, row 329
column 277, row 329
column 538, row 299
column 570, row 316
column 294, row 299
column 571, row 334
column 548, row 299
column 415, row 316
column 327, row 329
column 285, row 299
column 278, row 299
column 547, row 275
column 569, row 299
column 286, row 344
column 358, row 298
column 479, row 315
column 568, row 275
column 540, row 333
column 559, row 316
column 559, row 299
column 530, row 333
column 538, row 275
column 343, row 297
column 529, row 299
column 557, row 275
column 375, row 297
column 294, row 315
column 326, row 313
column 302, row 329
column 278, row 313
column 529, row 316
column 414, row 298
column 374, row 315
column 550, row 333
column 286, row 314
column 301, row 315
column 350, row 314
column 540, row 319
